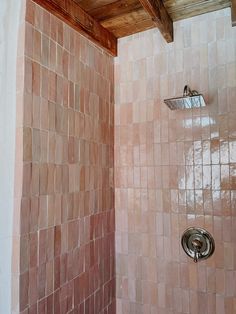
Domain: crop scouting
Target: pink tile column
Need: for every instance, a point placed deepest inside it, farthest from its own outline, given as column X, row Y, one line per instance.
column 175, row 169
column 64, row 216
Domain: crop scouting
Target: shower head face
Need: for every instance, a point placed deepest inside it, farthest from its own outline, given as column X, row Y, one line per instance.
column 186, row 102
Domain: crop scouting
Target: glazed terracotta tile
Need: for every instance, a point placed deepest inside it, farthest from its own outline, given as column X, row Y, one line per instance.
column 186, row 158
column 65, row 164
column 173, row 170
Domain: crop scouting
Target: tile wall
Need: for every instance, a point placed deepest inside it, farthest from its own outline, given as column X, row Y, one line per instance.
column 176, row 169
column 63, row 249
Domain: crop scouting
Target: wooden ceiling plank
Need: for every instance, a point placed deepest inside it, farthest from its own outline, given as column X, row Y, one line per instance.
column 160, row 16
column 115, row 9
column 88, row 5
column 189, row 8
column 189, row 12
column 126, row 30
column 233, row 12
column 73, row 15
column 128, row 24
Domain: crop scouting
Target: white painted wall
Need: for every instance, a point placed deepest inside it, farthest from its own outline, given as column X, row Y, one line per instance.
column 9, row 25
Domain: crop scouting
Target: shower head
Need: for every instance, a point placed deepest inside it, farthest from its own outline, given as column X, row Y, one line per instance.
column 190, row 99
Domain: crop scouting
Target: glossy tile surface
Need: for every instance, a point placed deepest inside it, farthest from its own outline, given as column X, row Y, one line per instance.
column 176, row 169
column 64, row 210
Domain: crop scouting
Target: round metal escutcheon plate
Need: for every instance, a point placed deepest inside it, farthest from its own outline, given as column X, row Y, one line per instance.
column 198, row 243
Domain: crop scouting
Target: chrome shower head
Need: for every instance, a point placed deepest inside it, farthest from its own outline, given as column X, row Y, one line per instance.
column 190, row 99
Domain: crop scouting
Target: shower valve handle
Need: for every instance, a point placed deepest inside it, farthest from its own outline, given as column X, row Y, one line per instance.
column 197, row 247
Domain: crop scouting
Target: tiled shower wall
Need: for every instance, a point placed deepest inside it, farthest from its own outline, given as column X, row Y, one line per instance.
column 64, row 228
column 176, row 169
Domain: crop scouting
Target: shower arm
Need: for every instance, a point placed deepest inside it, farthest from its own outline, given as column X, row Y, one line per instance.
column 188, row 92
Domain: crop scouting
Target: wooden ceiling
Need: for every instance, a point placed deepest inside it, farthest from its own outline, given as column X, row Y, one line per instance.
column 103, row 21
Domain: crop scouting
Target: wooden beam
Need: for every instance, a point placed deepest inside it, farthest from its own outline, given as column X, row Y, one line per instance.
column 72, row 14
column 233, row 12
column 160, row 17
